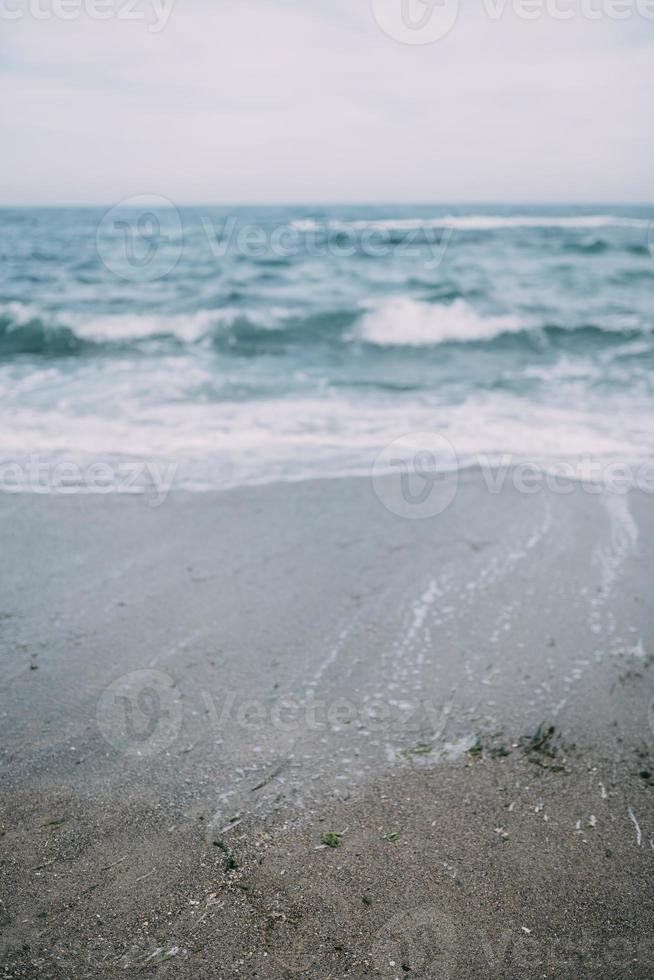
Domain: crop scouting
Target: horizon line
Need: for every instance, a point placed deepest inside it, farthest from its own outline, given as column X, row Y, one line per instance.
column 339, row 203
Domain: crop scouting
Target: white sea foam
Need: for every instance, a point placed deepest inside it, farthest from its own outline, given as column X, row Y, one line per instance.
column 237, row 443
column 401, row 321
column 479, row 222
column 187, row 327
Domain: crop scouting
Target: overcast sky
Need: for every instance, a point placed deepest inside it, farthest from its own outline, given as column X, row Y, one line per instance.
column 243, row 101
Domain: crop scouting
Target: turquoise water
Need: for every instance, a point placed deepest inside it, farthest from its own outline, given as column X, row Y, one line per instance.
column 248, row 344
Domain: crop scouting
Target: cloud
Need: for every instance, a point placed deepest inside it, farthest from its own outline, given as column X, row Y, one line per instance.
column 290, row 101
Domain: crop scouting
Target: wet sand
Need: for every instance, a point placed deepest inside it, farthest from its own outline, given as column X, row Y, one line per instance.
column 195, row 695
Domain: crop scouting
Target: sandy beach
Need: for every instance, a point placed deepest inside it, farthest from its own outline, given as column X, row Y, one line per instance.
column 326, row 485
column 282, row 730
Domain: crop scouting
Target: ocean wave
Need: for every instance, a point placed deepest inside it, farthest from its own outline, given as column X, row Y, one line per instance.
column 479, row 222
column 234, row 329
column 36, row 337
column 252, row 336
column 404, row 322
column 19, row 320
column 112, row 328
column 23, row 331
column 399, row 321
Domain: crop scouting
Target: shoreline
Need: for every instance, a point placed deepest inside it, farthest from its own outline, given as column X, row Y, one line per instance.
column 116, row 477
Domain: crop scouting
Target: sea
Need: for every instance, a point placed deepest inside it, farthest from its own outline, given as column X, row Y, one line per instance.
column 243, row 345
